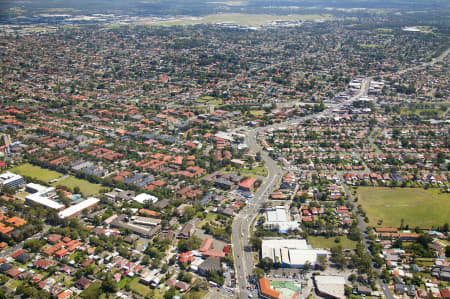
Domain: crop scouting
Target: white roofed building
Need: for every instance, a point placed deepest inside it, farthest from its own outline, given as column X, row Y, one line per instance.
column 291, row 253
column 277, row 218
column 43, row 195
column 11, row 179
column 76, row 209
column 144, row 197
column 330, row 286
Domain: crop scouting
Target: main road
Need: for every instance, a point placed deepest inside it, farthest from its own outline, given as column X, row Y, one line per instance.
column 242, row 223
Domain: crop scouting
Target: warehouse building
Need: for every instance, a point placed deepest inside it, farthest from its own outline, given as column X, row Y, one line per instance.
column 291, row 253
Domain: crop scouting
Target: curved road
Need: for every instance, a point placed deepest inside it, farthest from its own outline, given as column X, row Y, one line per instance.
column 242, row 223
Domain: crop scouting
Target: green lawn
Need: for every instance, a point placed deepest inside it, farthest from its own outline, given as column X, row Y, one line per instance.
column 92, row 291
column 197, row 295
column 36, row 172
column 209, row 217
column 86, row 187
column 138, row 287
column 323, row 242
column 210, row 100
column 257, row 112
column 418, row 207
column 13, row 284
column 123, row 282
column 255, row 172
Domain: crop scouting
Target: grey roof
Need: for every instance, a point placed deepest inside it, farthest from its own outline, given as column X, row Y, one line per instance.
column 210, row 264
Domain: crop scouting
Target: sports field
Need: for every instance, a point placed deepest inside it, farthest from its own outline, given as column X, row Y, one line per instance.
column 36, row 172
column 418, row 207
column 87, row 188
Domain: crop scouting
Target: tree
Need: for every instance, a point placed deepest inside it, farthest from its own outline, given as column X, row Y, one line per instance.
column 307, row 266
column 146, row 260
column 447, row 251
column 185, row 276
column 255, row 242
column 266, row 263
column 193, row 242
column 170, row 293
column 322, row 261
column 258, row 272
column 108, row 284
column 76, row 190
column 8, row 190
column 33, row 245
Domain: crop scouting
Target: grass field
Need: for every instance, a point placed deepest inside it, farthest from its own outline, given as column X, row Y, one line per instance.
column 241, row 19
column 368, row 45
column 92, row 291
column 210, row 100
column 36, row 172
column 257, row 112
column 323, row 242
column 418, row 207
column 123, row 282
column 209, row 217
column 256, row 172
column 139, row 288
column 429, row 111
column 87, row 188
column 388, row 30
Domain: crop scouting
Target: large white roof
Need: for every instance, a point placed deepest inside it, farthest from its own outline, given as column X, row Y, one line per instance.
column 293, row 252
column 78, row 207
column 143, row 197
column 277, row 214
column 37, row 187
column 44, row 200
column 289, row 243
column 8, row 177
column 331, row 285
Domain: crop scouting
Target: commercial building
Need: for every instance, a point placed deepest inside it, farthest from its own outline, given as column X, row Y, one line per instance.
column 330, row 286
column 11, row 179
column 291, row 253
column 76, row 209
column 277, row 218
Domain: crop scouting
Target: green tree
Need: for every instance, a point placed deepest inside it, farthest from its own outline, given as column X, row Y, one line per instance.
column 108, row 284
column 170, row 293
